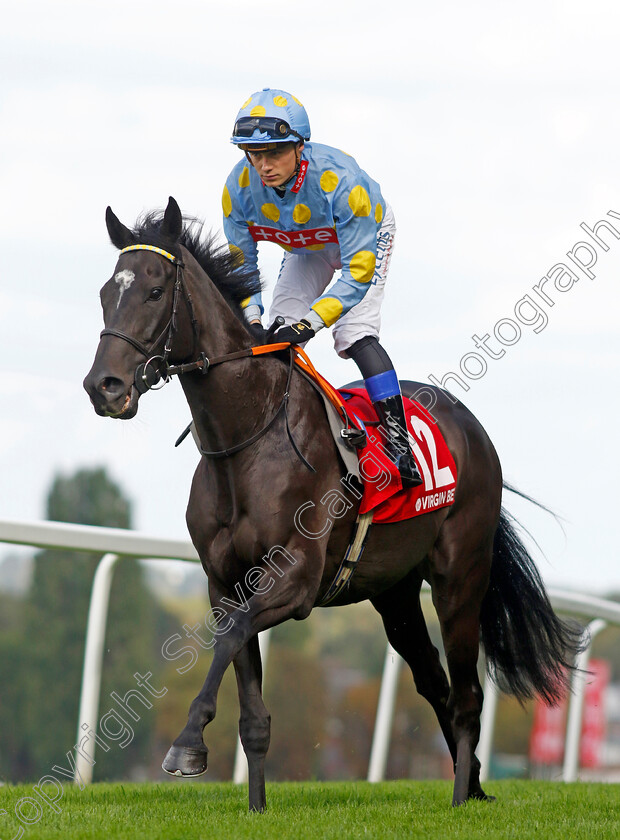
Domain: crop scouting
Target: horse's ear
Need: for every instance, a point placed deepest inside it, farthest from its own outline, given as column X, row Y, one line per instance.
column 120, row 235
column 172, row 226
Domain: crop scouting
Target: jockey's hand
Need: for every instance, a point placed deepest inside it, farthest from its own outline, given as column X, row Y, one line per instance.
column 257, row 331
column 296, row 333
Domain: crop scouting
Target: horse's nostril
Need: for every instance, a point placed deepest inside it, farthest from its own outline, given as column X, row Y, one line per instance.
column 111, row 387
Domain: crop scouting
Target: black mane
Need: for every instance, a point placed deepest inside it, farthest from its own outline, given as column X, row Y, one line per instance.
column 224, row 268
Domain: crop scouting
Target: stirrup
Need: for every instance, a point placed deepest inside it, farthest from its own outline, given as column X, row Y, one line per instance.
column 354, row 438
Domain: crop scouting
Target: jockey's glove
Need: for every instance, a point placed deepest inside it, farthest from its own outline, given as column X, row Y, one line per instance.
column 296, row 333
column 257, row 331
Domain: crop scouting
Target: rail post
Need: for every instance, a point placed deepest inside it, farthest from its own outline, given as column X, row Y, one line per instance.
column 570, row 770
column 93, row 665
column 385, row 713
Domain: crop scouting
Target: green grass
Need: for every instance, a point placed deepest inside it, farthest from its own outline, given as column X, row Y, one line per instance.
column 184, row 811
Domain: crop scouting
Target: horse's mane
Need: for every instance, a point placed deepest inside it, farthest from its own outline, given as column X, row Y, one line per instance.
column 224, row 267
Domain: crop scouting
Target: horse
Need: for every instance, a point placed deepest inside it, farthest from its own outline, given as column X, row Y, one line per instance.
column 173, row 306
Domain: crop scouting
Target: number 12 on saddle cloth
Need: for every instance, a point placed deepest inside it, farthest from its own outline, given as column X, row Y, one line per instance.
column 383, row 490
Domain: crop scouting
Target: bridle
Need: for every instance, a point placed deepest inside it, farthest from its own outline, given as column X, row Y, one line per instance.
column 156, row 369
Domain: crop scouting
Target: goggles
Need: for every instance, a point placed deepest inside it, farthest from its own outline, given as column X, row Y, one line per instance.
column 275, row 128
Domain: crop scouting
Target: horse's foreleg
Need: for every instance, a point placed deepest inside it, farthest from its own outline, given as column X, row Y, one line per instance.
column 188, row 755
column 254, row 720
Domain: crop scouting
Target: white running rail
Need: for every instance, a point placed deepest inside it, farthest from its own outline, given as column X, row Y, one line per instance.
column 113, row 542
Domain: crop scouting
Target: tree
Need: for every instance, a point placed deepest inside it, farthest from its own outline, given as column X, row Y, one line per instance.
column 44, row 652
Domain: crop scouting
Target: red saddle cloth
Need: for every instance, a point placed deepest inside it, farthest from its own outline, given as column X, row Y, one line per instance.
column 383, row 491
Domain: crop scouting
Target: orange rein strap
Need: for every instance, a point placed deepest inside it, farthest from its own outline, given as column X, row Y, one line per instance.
column 303, row 362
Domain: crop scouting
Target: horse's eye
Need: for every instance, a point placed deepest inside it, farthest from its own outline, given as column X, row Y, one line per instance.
column 156, row 293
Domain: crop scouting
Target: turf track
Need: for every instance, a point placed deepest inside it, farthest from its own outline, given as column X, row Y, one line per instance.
column 186, row 810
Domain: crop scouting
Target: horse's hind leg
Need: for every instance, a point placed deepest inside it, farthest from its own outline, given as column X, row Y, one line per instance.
column 406, row 630
column 254, row 720
column 459, row 579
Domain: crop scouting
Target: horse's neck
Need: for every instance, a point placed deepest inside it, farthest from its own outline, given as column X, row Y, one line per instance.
column 221, row 332
column 230, row 402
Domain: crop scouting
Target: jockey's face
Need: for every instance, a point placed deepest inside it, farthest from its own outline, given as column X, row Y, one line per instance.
column 276, row 166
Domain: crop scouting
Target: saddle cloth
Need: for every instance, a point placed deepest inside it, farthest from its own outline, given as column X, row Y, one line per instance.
column 382, row 488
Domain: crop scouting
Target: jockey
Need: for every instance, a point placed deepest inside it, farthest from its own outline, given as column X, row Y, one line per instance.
column 328, row 215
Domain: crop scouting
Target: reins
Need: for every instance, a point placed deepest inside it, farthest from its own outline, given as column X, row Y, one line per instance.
column 157, row 368
column 297, row 357
column 225, row 453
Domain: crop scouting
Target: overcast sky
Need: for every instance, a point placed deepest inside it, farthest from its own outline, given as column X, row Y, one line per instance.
column 493, row 130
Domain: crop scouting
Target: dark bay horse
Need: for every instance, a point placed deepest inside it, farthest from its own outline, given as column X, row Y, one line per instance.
column 173, row 305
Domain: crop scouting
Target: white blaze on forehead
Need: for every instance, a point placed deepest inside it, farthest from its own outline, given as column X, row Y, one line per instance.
column 124, row 279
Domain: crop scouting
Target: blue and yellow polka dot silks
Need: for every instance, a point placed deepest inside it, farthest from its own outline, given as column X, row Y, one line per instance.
column 337, row 206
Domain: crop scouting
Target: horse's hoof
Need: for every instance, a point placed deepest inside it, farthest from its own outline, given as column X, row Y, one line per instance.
column 481, row 796
column 185, row 761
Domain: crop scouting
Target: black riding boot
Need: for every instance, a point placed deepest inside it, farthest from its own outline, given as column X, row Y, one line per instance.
column 383, row 389
column 392, row 415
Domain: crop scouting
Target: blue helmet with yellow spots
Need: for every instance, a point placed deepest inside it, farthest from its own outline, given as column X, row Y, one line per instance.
column 270, row 116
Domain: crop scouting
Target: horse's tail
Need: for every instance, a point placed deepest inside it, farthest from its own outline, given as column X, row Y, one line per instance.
column 529, row 650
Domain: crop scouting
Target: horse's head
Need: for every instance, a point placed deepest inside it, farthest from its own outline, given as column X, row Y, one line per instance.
column 139, row 311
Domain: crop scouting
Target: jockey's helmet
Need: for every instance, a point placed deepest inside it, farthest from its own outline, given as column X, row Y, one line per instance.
column 270, row 117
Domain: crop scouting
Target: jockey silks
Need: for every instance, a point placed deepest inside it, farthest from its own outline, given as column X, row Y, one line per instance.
column 331, row 205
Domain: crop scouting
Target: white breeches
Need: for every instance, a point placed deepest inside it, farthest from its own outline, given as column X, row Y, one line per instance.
column 305, row 275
